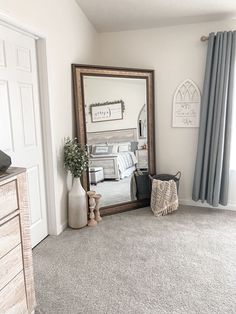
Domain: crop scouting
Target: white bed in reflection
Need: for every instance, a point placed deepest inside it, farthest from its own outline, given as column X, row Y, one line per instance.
column 114, row 151
column 115, row 166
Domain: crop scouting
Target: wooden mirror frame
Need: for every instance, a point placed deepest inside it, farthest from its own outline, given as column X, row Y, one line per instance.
column 78, row 72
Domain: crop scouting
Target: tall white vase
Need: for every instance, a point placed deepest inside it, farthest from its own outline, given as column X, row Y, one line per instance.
column 69, row 180
column 77, row 212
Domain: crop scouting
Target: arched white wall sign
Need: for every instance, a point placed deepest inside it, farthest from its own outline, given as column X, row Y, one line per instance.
column 186, row 105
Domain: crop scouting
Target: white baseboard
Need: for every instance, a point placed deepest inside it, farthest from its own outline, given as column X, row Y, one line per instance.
column 62, row 227
column 187, row 202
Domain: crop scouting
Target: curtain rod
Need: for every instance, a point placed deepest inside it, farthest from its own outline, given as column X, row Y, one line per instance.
column 204, row 38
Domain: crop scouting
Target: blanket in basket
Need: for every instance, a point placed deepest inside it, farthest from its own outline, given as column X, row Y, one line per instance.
column 164, row 199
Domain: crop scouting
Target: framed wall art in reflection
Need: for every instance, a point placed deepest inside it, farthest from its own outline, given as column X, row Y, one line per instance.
column 107, row 111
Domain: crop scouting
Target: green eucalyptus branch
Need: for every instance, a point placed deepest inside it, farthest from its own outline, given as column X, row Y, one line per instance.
column 75, row 157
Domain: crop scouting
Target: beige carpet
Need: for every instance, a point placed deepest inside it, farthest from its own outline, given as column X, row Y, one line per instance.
column 135, row 263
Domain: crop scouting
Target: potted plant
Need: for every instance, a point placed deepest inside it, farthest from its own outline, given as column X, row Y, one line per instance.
column 76, row 162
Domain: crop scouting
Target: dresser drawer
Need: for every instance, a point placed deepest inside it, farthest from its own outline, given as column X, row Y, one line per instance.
column 10, row 265
column 13, row 298
column 9, row 236
column 8, row 198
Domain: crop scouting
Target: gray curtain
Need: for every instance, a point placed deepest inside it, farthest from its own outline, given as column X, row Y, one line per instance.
column 211, row 180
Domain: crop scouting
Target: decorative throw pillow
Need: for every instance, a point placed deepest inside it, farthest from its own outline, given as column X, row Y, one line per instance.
column 124, row 147
column 134, row 146
column 102, row 150
column 115, row 148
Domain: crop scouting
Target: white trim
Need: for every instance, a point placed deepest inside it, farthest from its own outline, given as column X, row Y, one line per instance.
column 187, row 202
column 46, row 120
column 47, row 136
column 12, row 23
column 18, row 30
column 62, row 227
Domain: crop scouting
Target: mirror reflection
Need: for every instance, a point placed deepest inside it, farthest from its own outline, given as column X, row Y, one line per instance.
column 116, row 125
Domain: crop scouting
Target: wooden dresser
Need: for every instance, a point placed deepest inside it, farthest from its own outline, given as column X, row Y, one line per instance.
column 16, row 270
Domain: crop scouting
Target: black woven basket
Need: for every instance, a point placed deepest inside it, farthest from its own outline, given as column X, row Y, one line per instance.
column 168, row 177
column 143, row 185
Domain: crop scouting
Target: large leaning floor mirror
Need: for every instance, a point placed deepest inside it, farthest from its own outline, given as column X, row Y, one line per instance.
column 114, row 110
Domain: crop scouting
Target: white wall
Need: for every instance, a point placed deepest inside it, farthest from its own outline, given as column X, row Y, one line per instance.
column 70, row 38
column 175, row 53
column 131, row 91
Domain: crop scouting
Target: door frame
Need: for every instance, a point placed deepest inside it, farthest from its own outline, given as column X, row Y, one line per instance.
column 45, row 114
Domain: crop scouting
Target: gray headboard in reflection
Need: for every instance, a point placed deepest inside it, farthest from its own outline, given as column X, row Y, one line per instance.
column 112, row 136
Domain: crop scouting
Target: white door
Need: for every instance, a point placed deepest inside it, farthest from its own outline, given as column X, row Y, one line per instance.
column 20, row 123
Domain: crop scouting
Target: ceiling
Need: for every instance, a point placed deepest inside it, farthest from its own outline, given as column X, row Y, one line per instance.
column 118, row 15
